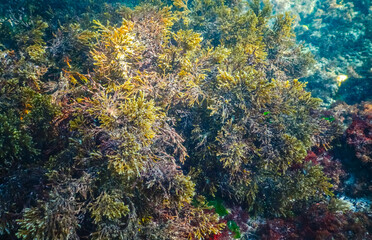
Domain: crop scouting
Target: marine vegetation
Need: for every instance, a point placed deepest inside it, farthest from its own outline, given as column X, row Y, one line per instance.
column 338, row 34
column 251, row 134
column 165, row 120
column 319, row 222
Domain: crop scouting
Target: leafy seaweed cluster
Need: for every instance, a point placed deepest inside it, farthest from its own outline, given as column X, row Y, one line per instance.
column 319, row 222
column 251, row 135
column 121, row 124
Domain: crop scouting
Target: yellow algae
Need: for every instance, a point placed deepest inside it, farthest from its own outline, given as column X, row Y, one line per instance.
column 341, row 78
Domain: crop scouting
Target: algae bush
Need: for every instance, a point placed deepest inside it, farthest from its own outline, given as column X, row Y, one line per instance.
column 168, row 120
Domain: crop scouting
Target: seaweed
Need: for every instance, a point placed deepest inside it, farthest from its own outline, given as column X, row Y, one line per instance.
column 121, row 122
